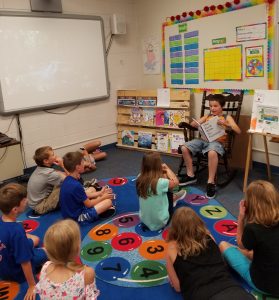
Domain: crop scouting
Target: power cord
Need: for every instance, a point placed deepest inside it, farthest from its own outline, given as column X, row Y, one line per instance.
column 21, row 141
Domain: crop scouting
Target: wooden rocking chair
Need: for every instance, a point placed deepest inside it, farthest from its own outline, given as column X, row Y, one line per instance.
column 224, row 172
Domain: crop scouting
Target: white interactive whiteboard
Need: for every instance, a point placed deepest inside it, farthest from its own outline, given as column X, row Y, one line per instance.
column 50, row 60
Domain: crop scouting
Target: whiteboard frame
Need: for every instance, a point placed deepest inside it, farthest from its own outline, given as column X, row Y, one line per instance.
column 67, row 103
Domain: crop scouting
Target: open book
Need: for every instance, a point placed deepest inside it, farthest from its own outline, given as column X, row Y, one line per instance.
column 210, row 130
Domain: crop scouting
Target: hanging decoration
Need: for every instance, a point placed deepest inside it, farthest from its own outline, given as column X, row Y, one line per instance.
column 215, row 9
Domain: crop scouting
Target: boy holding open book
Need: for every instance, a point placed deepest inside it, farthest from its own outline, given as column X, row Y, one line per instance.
column 212, row 128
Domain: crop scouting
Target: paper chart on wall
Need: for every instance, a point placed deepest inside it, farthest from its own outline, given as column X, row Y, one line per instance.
column 184, row 58
column 254, row 62
column 265, row 112
column 223, row 63
column 251, row 32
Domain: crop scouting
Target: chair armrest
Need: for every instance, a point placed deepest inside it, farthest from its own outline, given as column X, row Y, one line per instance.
column 187, row 125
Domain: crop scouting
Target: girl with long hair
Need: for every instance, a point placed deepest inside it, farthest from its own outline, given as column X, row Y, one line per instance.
column 154, row 186
column 256, row 258
column 194, row 262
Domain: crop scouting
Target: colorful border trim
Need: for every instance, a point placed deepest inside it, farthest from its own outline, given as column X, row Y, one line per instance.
column 227, row 7
column 270, row 44
column 218, row 91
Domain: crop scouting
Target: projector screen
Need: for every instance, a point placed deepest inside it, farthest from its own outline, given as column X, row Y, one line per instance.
column 50, row 60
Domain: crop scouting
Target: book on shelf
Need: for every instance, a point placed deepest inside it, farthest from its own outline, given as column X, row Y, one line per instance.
column 126, row 101
column 128, row 137
column 176, row 116
column 163, row 141
column 144, row 139
column 210, row 130
column 148, row 116
column 146, row 101
column 166, row 118
column 160, row 117
column 176, row 140
column 135, row 117
column 163, row 97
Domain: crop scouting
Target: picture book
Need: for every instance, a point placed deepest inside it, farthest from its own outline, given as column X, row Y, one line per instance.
column 128, row 137
column 176, row 116
column 135, row 117
column 126, row 101
column 166, row 118
column 176, row 139
column 265, row 112
column 148, row 116
column 210, row 130
column 160, row 117
column 163, row 141
column 145, row 140
column 149, row 101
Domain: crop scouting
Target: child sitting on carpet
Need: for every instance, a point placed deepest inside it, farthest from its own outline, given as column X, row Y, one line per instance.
column 62, row 277
column 194, row 262
column 91, row 154
column 76, row 203
column 18, row 257
column 257, row 259
column 153, row 185
column 44, row 184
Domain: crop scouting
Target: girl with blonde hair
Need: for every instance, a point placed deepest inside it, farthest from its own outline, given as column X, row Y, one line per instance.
column 194, row 262
column 153, row 187
column 62, row 277
column 256, row 259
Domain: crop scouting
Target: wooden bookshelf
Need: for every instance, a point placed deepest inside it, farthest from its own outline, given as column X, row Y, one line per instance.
column 179, row 101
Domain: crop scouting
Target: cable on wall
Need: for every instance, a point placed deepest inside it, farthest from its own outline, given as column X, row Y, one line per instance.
column 21, row 140
column 3, row 155
column 109, row 44
column 10, row 124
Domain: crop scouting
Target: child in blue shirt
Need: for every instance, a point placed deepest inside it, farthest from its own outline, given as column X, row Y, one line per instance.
column 77, row 203
column 18, row 257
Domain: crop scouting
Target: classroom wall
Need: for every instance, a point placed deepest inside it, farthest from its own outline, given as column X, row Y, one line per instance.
column 66, row 132
column 151, row 14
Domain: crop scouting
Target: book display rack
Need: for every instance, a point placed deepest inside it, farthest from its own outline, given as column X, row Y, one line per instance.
column 144, row 126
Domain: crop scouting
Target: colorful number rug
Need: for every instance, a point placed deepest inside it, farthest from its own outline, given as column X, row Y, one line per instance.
column 127, row 257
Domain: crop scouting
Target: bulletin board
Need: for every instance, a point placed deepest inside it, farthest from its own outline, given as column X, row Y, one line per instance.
column 210, row 52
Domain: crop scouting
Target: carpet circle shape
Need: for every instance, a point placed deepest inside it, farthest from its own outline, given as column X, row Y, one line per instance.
column 124, row 252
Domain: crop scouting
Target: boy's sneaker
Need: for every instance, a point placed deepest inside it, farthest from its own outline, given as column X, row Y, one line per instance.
column 34, row 215
column 179, row 196
column 108, row 213
column 97, row 187
column 210, row 190
column 186, row 180
column 90, row 183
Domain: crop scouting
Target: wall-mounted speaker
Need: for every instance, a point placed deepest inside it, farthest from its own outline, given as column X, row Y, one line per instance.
column 118, row 24
column 46, row 5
